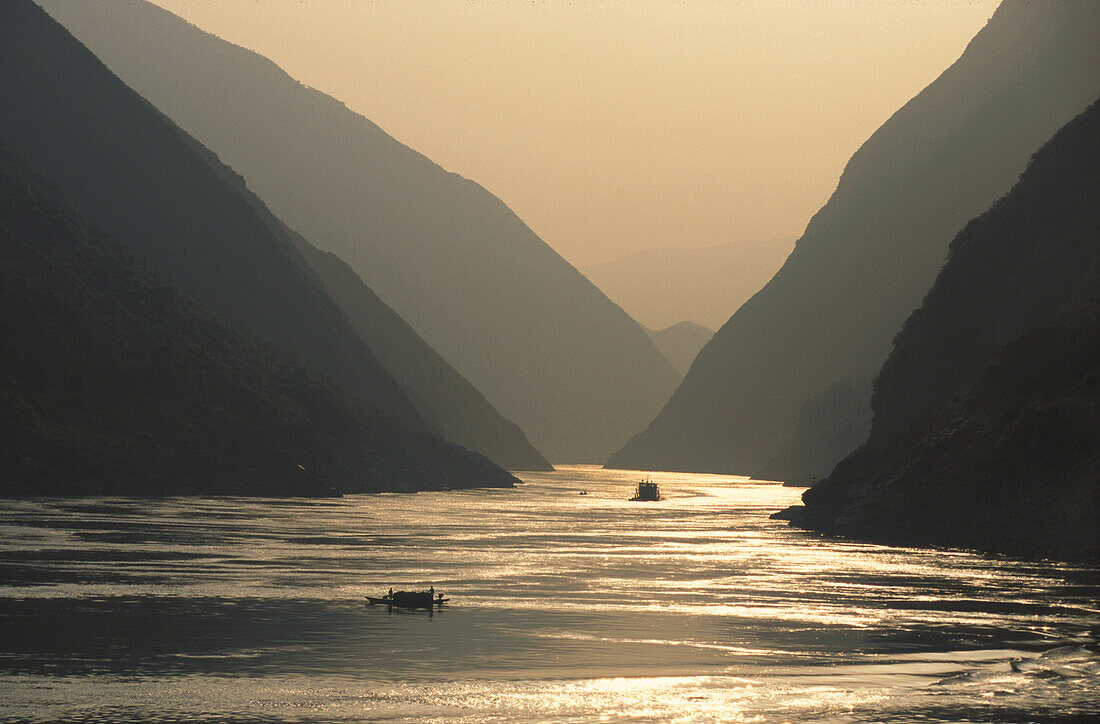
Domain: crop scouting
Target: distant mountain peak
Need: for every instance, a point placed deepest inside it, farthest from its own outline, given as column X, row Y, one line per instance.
column 663, row 285
column 680, row 342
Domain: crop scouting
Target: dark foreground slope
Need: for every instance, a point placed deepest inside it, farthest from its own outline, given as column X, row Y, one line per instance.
column 110, row 384
column 132, row 173
column 544, row 345
column 871, row 253
column 987, row 412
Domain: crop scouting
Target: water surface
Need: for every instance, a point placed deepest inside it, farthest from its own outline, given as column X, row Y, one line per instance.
column 565, row 607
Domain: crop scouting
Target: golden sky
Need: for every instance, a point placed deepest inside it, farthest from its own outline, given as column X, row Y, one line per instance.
column 619, row 125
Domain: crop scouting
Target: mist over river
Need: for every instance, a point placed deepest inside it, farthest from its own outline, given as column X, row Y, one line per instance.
column 564, row 607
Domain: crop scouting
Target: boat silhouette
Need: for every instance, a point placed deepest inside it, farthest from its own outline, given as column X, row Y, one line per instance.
column 647, row 491
column 409, row 599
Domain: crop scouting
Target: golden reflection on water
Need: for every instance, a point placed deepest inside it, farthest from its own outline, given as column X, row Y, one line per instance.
column 565, row 607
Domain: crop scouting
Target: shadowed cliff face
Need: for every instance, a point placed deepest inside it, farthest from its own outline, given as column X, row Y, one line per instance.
column 987, row 413
column 830, row 426
column 546, row 347
column 132, row 173
column 114, row 385
column 873, row 250
column 1017, row 267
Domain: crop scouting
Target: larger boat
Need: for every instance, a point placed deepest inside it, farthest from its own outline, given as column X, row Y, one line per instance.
column 647, row 491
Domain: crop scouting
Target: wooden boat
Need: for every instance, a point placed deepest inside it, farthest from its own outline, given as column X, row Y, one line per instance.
column 408, row 599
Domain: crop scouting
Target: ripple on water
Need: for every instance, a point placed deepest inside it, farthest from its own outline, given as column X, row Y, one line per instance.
column 565, row 607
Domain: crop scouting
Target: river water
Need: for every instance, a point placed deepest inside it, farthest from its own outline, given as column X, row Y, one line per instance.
column 564, row 607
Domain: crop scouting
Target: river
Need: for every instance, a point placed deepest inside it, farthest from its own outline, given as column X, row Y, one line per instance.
column 564, row 607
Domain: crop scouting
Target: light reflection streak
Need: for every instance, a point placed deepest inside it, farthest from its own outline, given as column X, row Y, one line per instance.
column 756, row 621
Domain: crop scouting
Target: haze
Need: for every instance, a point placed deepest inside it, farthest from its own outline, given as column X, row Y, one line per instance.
column 617, row 126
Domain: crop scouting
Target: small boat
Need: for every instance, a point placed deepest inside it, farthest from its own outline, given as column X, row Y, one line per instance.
column 647, row 491
column 409, row 599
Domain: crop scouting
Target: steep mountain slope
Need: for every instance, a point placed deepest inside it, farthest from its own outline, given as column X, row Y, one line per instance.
column 452, row 406
column 460, row 413
column 1021, row 265
column 869, row 255
column 987, row 411
column 680, row 343
column 110, row 384
column 830, row 426
column 706, row 285
column 543, row 344
column 131, row 172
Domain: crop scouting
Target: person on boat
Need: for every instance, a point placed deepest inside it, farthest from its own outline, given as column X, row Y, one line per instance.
column 391, row 594
column 431, row 591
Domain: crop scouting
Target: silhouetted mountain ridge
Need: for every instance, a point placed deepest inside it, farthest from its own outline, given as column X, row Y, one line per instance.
column 871, row 253
column 450, row 403
column 987, row 412
column 1043, row 263
column 543, row 344
column 442, row 397
column 111, row 384
column 132, row 173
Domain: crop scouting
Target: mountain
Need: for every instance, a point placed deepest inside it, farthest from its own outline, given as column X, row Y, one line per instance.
column 680, row 343
column 987, row 411
column 112, row 384
column 544, row 345
column 1010, row 467
column 456, row 408
column 132, row 173
column 830, row 426
column 870, row 254
column 705, row 285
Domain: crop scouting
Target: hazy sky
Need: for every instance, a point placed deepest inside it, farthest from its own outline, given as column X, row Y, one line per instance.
column 624, row 124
